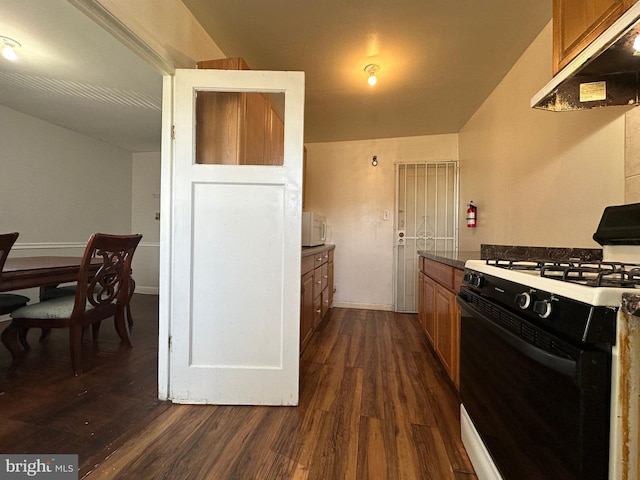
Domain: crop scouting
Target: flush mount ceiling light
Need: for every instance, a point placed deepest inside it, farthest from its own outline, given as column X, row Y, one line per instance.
column 636, row 45
column 372, row 69
column 9, row 46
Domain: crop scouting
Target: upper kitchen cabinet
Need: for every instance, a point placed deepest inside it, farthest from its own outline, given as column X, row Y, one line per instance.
column 577, row 23
column 243, row 128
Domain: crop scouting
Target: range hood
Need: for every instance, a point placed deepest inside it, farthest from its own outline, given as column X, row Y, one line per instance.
column 605, row 73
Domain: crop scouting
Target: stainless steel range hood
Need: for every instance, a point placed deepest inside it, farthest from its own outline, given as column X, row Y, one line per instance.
column 605, row 73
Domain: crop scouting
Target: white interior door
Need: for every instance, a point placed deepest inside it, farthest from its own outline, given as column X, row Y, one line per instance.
column 235, row 233
column 426, row 218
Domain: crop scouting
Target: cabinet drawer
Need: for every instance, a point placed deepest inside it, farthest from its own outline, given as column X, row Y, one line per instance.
column 317, row 311
column 317, row 282
column 308, row 264
column 324, row 272
column 325, row 302
column 320, row 259
column 440, row 272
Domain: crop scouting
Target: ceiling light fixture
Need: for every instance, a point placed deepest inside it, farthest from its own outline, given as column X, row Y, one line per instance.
column 372, row 69
column 9, row 46
column 636, row 44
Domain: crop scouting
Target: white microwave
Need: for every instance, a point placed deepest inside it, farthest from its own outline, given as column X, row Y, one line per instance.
column 314, row 229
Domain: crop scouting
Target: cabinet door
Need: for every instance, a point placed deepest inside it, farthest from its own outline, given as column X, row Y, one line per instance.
column 306, row 308
column 317, row 310
column 275, row 138
column 577, row 23
column 255, row 126
column 445, row 327
column 330, row 282
column 429, row 286
column 218, row 127
column 421, row 298
column 317, row 281
column 325, row 302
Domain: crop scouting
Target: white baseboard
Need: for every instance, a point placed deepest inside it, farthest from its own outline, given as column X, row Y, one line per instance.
column 478, row 454
column 364, row 306
column 147, row 290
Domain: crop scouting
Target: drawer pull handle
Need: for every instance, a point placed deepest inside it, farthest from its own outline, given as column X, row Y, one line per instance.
column 318, row 311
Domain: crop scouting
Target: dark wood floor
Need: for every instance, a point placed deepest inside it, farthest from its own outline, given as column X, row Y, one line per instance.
column 374, row 403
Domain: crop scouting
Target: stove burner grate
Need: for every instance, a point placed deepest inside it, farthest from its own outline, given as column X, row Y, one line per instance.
column 594, row 274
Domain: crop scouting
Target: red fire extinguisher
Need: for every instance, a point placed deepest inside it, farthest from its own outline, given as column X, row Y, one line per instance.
column 472, row 214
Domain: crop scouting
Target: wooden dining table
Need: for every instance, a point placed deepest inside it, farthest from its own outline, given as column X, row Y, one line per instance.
column 46, row 271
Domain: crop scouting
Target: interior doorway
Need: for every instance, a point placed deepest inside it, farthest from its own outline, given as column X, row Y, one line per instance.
column 426, row 218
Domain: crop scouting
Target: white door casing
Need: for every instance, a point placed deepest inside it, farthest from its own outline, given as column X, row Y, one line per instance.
column 234, row 258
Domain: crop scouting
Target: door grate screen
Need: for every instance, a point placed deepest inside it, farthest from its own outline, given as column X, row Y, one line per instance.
column 426, row 218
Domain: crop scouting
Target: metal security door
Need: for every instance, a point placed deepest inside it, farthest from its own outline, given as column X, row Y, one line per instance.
column 426, row 219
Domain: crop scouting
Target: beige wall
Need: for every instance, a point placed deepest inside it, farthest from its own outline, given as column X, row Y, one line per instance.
column 632, row 157
column 168, row 28
column 539, row 178
column 344, row 186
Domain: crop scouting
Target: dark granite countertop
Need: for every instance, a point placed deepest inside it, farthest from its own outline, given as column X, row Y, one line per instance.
column 320, row 248
column 453, row 259
column 513, row 252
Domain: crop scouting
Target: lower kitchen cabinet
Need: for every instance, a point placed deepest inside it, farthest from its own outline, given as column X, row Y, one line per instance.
column 439, row 313
column 316, row 296
column 306, row 308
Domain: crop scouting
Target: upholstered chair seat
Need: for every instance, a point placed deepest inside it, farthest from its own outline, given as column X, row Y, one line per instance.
column 10, row 302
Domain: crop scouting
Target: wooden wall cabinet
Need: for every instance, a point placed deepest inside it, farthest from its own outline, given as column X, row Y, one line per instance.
column 317, row 289
column 577, row 23
column 439, row 313
column 237, row 128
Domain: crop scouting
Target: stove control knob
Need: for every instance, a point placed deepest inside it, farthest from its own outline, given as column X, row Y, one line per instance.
column 477, row 281
column 542, row 308
column 523, row 300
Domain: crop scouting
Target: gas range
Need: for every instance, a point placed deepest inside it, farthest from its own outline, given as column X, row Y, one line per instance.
column 598, row 284
column 577, row 311
column 550, row 334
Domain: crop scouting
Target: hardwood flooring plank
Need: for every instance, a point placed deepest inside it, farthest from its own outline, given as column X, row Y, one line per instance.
column 434, row 463
column 375, row 403
column 372, row 452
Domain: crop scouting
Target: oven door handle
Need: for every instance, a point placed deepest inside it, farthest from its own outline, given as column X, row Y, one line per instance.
column 563, row 366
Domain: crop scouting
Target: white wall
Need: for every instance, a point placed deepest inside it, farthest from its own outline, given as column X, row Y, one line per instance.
column 539, row 178
column 144, row 207
column 344, row 186
column 58, row 187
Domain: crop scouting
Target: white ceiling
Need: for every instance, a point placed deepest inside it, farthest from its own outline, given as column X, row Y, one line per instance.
column 439, row 61
column 72, row 73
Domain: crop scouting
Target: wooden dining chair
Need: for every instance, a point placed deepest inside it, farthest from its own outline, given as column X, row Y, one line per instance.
column 9, row 301
column 105, row 294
